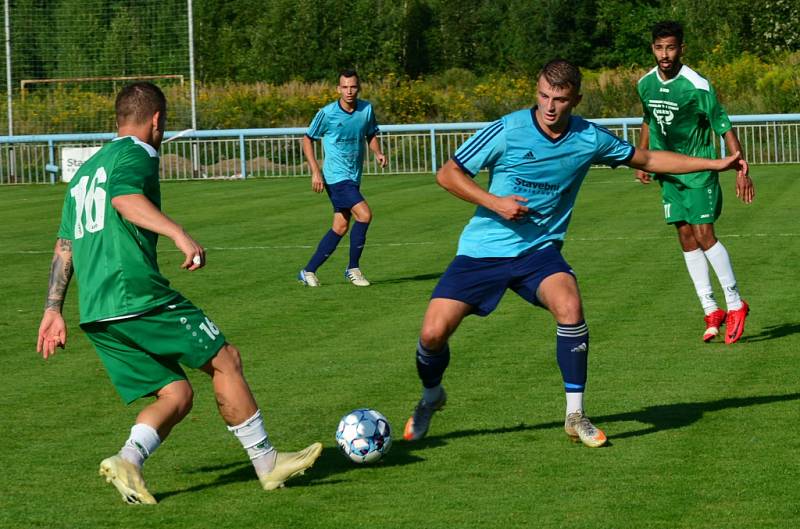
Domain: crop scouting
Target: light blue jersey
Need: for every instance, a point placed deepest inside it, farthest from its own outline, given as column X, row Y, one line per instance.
column 343, row 134
column 522, row 160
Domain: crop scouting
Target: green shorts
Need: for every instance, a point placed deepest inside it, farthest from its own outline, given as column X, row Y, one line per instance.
column 143, row 354
column 701, row 205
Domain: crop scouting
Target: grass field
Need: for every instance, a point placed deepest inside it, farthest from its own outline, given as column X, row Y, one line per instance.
column 701, row 435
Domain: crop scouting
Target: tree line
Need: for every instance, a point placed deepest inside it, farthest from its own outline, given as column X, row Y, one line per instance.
column 308, row 40
column 276, row 41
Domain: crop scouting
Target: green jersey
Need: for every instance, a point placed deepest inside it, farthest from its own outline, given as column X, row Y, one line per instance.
column 114, row 260
column 682, row 114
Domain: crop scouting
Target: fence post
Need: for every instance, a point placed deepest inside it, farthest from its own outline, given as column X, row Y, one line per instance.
column 52, row 160
column 241, row 153
column 625, row 131
column 433, row 150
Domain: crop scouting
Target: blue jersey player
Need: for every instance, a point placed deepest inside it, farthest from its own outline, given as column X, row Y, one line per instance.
column 537, row 159
column 343, row 126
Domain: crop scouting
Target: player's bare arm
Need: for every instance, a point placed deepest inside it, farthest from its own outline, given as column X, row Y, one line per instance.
column 456, row 182
column 375, row 147
column 52, row 329
column 671, row 162
column 644, row 142
column 139, row 210
column 317, row 184
column 744, row 184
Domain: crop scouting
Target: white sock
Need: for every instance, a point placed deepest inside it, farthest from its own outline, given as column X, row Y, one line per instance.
column 574, row 402
column 255, row 441
column 432, row 394
column 721, row 262
column 141, row 444
column 697, row 266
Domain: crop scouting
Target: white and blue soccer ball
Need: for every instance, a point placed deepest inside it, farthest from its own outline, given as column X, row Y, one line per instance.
column 364, row 435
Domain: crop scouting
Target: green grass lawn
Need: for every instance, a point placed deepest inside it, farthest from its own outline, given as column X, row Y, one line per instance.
column 701, row 435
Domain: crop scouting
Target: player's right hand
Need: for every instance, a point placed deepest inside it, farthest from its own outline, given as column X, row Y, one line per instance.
column 195, row 255
column 509, row 207
column 52, row 334
column 317, row 184
column 643, row 176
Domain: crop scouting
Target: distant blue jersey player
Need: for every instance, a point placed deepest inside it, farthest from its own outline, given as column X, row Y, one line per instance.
column 537, row 160
column 345, row 127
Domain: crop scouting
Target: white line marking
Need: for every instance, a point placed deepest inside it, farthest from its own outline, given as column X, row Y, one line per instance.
column 428, row 243
column 239, row 248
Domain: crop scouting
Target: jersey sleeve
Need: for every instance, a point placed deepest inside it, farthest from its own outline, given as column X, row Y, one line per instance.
column 66, row 230
column 318, row 126
column 130, row 173
column 646, row 116
column 481, row 150
column 710, row 105
column 372, row 125
column 611, row 150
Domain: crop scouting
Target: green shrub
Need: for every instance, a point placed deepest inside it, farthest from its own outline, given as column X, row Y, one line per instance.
column 747, row 85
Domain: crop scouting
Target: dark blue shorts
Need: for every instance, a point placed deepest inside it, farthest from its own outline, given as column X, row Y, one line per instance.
column 481, row 282
column 344, row 195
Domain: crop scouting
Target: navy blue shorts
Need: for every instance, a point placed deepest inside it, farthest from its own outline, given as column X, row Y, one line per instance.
column 481, row 282
column 344, row 195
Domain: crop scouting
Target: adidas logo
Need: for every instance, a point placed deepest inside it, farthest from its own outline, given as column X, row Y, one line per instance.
column 529, row 156
column 582, row 348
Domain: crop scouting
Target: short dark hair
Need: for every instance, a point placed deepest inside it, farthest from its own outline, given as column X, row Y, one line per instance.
column 561, row 74
column 349, row 72
column 668, row 28
column 138, row 102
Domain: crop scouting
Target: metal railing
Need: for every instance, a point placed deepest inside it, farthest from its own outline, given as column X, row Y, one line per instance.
column 244, row 153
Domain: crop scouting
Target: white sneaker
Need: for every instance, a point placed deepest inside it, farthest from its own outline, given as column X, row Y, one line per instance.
column 579, row 428
column 417, row 425
column 127, row 478
column 355, row 276
column 309, row 279
column 289, row 465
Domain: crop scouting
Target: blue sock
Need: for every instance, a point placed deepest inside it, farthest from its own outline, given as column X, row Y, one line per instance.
column 324, row 250
column 431, row 365
column 572, row 352
column 358, row 237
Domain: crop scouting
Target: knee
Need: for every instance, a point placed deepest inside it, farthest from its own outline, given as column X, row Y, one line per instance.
column 228, row 360
column 433, row 336
column 181, row 396
column 365, row 217
column 569, row 312
column 186, row 401
column 707, row 242
column 340, row 227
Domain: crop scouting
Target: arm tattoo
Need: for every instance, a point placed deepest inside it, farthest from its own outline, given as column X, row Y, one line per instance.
column 60, row 275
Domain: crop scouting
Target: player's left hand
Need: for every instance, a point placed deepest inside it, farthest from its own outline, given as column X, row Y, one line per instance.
column 729, row 162
column 194, row 254
column 744, row 184
column 382, row 160
column 52, row 334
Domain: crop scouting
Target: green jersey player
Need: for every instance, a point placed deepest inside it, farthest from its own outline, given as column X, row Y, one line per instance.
column 682, row 114
column 142, row 329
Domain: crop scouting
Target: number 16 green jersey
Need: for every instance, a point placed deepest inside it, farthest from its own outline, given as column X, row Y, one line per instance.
column 114, row 260
column 682, row 114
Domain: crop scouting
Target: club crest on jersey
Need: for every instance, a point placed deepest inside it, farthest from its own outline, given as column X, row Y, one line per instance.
column 664, row 112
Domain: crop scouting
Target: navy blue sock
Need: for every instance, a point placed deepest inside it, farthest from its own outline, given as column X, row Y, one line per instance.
column 358, row 237
column 431, row 365
column 572, row 352
column 324, row 250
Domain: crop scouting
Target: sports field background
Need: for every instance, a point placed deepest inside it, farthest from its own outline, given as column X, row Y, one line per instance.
column 701, row 435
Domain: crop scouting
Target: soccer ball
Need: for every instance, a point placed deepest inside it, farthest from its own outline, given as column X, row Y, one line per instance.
column 364, row 435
